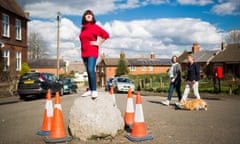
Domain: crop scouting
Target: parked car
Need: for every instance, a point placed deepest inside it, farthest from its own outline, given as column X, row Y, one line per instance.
column 122, row 84
column 38, row 83
column 109, row 84
column 69, row 86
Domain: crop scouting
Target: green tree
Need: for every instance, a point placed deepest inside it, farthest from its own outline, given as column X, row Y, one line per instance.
column 122, row 68
column 25, row 69
column 37, row 46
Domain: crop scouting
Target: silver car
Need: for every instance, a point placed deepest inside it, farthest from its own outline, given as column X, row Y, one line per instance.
column 122, row 84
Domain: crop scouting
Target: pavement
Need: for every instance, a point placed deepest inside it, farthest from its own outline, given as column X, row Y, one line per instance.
column 8, row 100
column 220, row 124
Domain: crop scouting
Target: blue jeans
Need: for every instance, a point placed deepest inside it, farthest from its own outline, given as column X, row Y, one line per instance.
column 177, row 85
column 90, row 63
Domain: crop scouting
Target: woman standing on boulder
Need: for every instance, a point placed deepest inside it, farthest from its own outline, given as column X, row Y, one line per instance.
column 89, row 47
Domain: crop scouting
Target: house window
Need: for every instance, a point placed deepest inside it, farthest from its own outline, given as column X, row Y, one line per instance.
column 5, row 25
column 132, row 68
column 18, row 30
column 143, row 68
column 6, row 59
column 18, row 60
column 150, row 68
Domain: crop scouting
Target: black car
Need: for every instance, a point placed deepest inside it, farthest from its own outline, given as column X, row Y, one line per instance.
column 69, row 86
column 38, row 83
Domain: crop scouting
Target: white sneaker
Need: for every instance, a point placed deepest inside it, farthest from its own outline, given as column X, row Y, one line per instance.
column 94, row 94
column 87, row 93
column 166, row 102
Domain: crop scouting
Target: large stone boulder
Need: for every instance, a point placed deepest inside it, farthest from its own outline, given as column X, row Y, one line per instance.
column 97, row 118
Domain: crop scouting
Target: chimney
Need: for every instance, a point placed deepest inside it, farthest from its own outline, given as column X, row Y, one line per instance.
column 195, row 48
column 152, row 56
column 223, row 46
column 27, row 15
column 122, row 55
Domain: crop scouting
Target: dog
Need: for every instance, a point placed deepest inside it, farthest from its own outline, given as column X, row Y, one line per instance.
column 196, row 104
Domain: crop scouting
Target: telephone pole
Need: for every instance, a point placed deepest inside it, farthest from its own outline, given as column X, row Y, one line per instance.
column 58, row 38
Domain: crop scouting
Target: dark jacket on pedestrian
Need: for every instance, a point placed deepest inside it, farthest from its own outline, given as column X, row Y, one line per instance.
column 193, row 72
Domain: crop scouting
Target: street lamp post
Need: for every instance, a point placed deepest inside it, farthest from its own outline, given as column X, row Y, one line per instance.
column 58, row 37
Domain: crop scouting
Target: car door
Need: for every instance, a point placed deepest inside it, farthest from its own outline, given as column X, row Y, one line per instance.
column 54, row 83
column 47, row 82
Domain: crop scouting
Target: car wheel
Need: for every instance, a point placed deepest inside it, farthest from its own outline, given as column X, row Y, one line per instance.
column 76, row 90
column 70, row 91
column 22, row 97
column 61, row 92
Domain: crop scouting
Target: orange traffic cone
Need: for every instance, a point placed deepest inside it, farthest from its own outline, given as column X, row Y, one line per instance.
column 129, row 114
column 113, row 96
column 139, row 132
column 47, row 117
column 58, row 133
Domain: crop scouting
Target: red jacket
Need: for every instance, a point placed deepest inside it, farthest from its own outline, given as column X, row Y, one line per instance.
column 90, row 32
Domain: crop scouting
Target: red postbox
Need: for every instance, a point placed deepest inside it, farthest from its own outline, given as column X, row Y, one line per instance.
column 218, row 72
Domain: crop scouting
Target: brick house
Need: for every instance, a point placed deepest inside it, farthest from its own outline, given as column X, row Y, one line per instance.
column 229, row 59
column 13, row 36
column 107, row 66
column 202, row 58
column 77, row 67
column 47, row 65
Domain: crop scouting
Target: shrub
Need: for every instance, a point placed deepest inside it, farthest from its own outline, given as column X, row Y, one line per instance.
column 25, row 69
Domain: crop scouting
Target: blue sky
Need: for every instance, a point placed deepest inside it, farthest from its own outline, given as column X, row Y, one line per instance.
column 138, row 27
column 225, row 22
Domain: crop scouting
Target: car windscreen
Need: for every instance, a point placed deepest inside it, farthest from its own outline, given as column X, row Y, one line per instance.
column 66, row 81
column 30, row 76
column 123, row 80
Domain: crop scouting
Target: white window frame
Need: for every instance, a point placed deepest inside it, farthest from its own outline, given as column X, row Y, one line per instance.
column 150, row 68
column 6, row 58
column 18, row 29
column 18, row 60
column 5, row 25
column 143, row 68
column 133, row 68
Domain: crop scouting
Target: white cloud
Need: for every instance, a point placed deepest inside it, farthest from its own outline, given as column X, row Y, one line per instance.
column 165, row 37
column 69, row 30
column 69, row 41
column 49, row 9
column 195, row 2
column 231, row 7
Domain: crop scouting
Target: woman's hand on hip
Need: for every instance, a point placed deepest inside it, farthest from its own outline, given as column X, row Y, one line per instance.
column 94, row 43
column 97, row 43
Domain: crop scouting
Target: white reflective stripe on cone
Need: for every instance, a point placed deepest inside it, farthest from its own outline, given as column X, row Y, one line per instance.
column 58, row 106
column 49, row 108
column 130, row 107
column 139, row 113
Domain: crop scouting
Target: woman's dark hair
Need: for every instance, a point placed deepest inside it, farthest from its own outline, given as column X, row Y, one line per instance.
column 84, row 19
column 174, row 57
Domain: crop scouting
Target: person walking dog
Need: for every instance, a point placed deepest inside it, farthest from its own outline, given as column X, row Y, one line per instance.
column 192, row 79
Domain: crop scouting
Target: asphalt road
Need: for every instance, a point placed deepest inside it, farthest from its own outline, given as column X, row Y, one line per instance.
column 219, row 125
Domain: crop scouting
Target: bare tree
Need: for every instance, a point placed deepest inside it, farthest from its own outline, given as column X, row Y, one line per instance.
column 233, row 36
column 37, row 47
